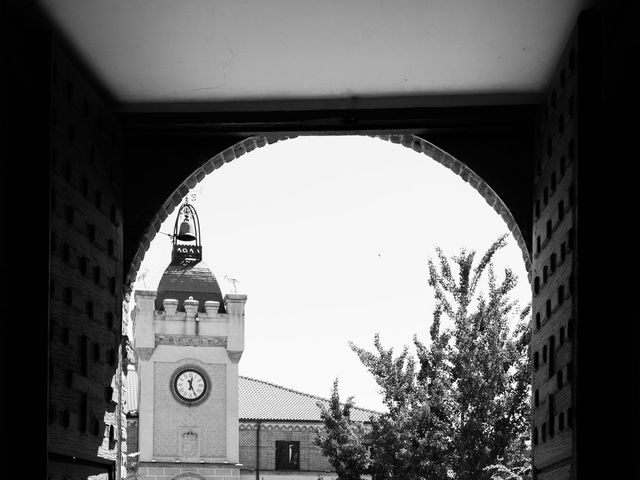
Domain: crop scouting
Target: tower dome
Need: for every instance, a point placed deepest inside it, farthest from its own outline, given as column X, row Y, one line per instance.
column 181, row 281
column 187, row 275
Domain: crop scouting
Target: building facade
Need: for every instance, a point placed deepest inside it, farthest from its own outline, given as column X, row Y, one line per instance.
column 62, row 123
column 189, row 414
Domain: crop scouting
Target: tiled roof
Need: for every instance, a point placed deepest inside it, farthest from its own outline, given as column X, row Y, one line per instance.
column 261, row 400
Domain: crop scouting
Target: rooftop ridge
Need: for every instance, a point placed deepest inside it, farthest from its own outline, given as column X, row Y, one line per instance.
column 302, row 393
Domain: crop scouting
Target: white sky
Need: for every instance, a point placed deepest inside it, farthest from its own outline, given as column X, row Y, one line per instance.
column 329, row 237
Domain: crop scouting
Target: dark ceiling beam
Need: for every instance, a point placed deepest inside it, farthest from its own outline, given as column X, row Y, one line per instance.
column 421, row 120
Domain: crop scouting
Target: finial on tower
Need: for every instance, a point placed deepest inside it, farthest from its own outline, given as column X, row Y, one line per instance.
column 187, row 232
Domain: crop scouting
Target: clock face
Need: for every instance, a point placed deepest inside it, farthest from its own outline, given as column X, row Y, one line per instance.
column 190, row 385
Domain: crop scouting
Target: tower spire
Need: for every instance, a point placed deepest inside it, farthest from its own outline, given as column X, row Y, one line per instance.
column 187, row 242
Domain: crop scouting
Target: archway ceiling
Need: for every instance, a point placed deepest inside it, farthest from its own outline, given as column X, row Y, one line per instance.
column 203, row 53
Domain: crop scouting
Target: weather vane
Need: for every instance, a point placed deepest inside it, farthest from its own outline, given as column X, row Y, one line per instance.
column 194, row 194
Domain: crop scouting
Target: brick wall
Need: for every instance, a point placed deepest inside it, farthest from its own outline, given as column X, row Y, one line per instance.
column 77, row 472
column 85, row 272
column 167, row 471
column 169, row 416
column 311, row 458
column 554, row 322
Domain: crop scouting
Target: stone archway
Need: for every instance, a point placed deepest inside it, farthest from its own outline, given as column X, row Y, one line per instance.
column 409, row 141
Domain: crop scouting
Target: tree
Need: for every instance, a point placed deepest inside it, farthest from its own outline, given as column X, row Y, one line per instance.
column 342, row 441
column 410, row 440
column 461, row 408
column 490, row 369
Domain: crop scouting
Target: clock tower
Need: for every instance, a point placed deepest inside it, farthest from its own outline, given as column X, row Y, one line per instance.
column 188, row 340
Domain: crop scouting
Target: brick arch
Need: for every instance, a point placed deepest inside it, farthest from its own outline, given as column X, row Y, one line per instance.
column 188, row 476
column 407, row 140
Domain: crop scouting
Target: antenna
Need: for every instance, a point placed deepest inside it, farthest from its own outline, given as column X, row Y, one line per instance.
column 143, row 277
column 233, row 281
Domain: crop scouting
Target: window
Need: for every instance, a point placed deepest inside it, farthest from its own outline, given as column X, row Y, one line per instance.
column 108, row 393
column 65, row 418
column 88, row 308
column 84, row 186
column 67, row 295
column 95, row 425
column 98, row 199
column 551, row 415
column 113, row 214
column 53, row 414
column 83, row 352
column 560, row 210
column 552, row 355
column 560, row 294
column 111, row 356
column 84, row 405
column 91, row 232
column 287, row 455
column 108, row 318
column 83, row 263
column 570, row 417
column 68, row 214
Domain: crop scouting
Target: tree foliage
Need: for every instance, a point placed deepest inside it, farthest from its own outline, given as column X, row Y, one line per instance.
column 342, row 441
column 460, row 408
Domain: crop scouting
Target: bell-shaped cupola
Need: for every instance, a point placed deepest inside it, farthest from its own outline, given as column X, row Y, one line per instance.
column 187, row 275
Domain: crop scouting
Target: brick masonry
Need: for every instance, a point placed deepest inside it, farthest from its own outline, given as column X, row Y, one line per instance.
column 311, row 458
column 553, row 322
column 170, row 416
column 195, row 471
column 85, row 277
column 409, row 141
